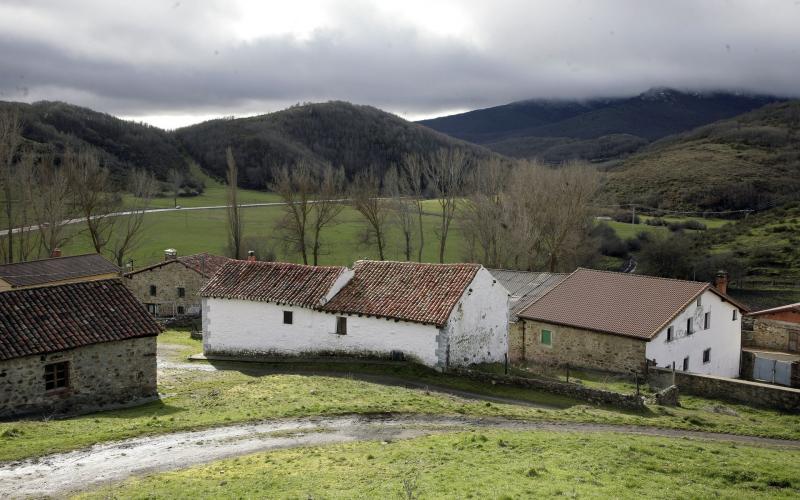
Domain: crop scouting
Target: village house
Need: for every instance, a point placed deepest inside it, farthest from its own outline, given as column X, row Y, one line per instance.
column 66, row 348
column 524, row 289
column 170, row 288
column 439, row 315
column 56, row 270
column 771, row 346
column 618, row 322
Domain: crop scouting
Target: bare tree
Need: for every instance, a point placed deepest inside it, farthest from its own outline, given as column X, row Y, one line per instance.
column 327, row 205
column 483, row 222
column 404, row 208
column 296, row 189
column 235, row 223
column 24, row 185
column 128, row 231
column 175, row 178
column 93, row 196
column 51, row 205
column 414, row 168
column 366, row 199
column 10, row 138
column 445, row 175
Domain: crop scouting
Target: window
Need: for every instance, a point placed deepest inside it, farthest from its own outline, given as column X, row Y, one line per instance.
column 56, row 376
column 181, row 292
column 181, row 311
column 735, row 315
column 686, row 364
column 341, row 325
column 707, row 355
column 152, row 290
column 152, row 308
column 287, row 317
column 707, row 321
column 547, row 337
column 699, row 301
column 670, row 332
column 689, row 327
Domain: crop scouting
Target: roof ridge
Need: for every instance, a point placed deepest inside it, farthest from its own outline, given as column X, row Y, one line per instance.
column 521, row 313
column 640, row 275
column 276, row 262
column 45, row 259
column 775, row 309
column 412, row 263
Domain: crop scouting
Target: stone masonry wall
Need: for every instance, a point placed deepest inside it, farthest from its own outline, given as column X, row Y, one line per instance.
column 582, row 348
column 516, row 353
column 736, row 390
column 771, row 334
column 99, row 375
column 167, row 279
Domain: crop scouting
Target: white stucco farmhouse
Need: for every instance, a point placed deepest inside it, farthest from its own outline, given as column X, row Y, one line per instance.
column 439, row 315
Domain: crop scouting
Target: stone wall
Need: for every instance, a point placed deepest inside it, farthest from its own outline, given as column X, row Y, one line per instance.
column 516, row 353
column 576, row 391
column 100, row 374
column 581, row 348
column 167, row 279
column 771, row 334
column 735, row 390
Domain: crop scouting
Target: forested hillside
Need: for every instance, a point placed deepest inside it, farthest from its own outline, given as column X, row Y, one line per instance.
column 343, row 134
column 123, row 145
column 751, row 161
column 597, row 129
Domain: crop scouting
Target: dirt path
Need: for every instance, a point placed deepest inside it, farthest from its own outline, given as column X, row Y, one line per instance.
column 63, row 473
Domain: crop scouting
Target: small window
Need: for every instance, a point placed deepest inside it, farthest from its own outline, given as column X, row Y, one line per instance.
column 735, row 315
column 56, row 376
column 287, row 317
column 181, row 292
column 686, row 364
column 152, row 308
column 181, row 311
column 699, row 301
column 707, row 355
column 547, row 337
column 707, row 321
column 689, row 327
column 341, row 325
column 670, row 332
column 152, row 290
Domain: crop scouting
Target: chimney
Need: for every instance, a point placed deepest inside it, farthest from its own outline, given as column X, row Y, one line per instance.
column 251, row 256
column 55, row 253
column 721, row 281
column 170, row 254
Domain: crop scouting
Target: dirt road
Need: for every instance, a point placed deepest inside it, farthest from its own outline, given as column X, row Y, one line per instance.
column 63, row 473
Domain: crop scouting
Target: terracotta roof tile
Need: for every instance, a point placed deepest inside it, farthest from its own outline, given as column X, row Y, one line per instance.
column 631, row 305
column 423, row 293
column 56, row 318
column 40, row 272
column 278, row 282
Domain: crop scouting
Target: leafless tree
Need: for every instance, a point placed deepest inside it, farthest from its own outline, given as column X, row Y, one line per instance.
column 175, row 178
column 404, row 208
column 235, row 223
column 327, row 205
column 93, row 195
column 483, row 223
column 10, row 138
column 366, row 198
column 296, row 189
column 413, row 169
column 51, row 204
column 445, row 174
column 24, row 187
column 128, row 230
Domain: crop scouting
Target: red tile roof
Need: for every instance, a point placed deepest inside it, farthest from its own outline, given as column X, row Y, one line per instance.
column 205, row 264
column 278, row 282
column 56, row 318
column 631, row 305
column 788, row 307
column 40, row 272
column 423, row 293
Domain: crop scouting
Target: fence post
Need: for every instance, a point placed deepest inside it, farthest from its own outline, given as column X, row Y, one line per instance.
column 506, row 362
column 567, row 372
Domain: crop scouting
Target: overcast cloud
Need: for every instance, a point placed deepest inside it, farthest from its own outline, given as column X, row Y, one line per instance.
column 177, row 62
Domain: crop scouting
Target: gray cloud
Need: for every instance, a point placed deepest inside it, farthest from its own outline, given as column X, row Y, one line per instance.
column 154, row 57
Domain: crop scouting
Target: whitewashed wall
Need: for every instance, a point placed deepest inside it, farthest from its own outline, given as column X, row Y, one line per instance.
column 724, row 339
column 477, row 331
column 238, row 327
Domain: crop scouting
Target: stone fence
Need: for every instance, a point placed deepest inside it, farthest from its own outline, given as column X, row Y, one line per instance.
column 735, row 390
column 576, row 391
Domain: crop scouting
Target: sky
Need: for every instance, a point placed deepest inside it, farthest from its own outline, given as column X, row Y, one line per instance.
column 176, row 62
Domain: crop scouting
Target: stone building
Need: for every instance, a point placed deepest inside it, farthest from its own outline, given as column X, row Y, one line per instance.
column 439, row 315
column 620, row 322
column 56, row 271
column 524, row 289
column 74, row 347
column 170, row 288
column 772, row 346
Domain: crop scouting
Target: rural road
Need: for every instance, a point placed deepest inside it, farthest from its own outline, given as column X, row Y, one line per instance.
column 64, row 473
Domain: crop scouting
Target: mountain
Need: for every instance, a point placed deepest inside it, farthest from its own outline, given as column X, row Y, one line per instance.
column 594, row 129
column 751, row 161
column 55, row 126
column 343, row 134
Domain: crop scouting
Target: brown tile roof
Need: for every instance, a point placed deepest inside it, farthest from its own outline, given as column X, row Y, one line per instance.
column 788, row 307
column 40, row 272
column 631, row 305
column 278, row 282
column 56, row 318
column 205, row 264
column 423, row 293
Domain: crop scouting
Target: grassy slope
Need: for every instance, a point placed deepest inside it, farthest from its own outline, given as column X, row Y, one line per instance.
column 199, row 399
column 487, row 464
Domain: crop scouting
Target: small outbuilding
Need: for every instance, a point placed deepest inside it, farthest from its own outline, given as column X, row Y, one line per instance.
column 56, row 270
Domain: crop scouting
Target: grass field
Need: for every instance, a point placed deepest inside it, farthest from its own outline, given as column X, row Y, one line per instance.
column 488, row 464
